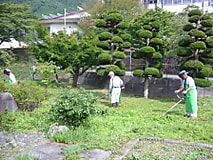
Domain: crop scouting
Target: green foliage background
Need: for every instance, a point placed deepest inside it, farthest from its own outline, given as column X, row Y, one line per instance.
column 40, row 7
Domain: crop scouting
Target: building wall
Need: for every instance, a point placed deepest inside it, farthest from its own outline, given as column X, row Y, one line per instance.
column 70, row 27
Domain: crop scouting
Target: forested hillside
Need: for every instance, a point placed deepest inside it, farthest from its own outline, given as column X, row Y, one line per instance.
column 40, row 7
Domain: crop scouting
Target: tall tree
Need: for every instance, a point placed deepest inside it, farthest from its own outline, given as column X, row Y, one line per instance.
column 113, row 39
column 15, row 21
column 68, row 52
column 196, row 45
column 149, row 45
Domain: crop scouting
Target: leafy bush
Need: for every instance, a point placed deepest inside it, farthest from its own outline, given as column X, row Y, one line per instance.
column 117, row 39
column 188, row 27
column 209, row 42
column 157, row 55
column 104, row 58
column 100, row 23
column 120, row 64
column 101, row 72
column 126, row 45
column 194, row 19
column 126, row 36
column 205, row 16
column 28, row 95
column 153, row 72
column 197, row 34
column 192, row 64
column 158, row 65
column 210, row 32
column 207, row 23
column 119, row 55
column 123, row 25
column 115, row 17
column 147, row 27
column 198, row 45
column 206, row 71
column 103, row 44
column 138, row 72
column 144, row 33
column 202, row 82
column 105, row 36
column 184, row 52
column 73, row 108
column 156, row 41
column 115, row 69
column 195, row 12
column 156, row 25
column 186, row 41
column 147, row 50
column 6, row 57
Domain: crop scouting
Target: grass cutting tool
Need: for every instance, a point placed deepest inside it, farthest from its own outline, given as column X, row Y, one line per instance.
column 180, row 100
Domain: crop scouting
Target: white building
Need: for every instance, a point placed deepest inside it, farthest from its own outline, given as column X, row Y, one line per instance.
column 68, row 21
column 179, row 5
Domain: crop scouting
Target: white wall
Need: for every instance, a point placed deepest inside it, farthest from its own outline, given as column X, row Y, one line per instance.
column 70, row 27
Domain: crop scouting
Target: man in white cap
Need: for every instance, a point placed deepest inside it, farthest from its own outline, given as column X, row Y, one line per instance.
column 190, row 92
column 115, row 86
column 11, row 76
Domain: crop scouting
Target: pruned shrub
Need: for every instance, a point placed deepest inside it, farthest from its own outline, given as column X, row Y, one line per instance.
column 157, row 55
column 209, row 32
column 156, row 25
column 100, row 23
column 186, row 41
column 117, row 39
column 138, row 72
column 158, row 65
column 195, row 12
column 119, row 55
column 207, row 23
column 115, row 69
column 153, row 72
column 101, row 72
column 188, row 27
column 115, row 17
column 123, row 25
column 192, row 64
column 147, row 27
column 103, row 44
column 105, row 36
column 147, row 50
column 126, row 45
column 184, row 52
column 202, row 82
column 28, row 95
column 209, row 42
column 120, row 64
column 144, row 33
column 126, row 36
column 194, row 19
column 104, row 58
column 156, row 41
column 196, row 33
column 73, row 108
column 206, row 71
column 198, row 45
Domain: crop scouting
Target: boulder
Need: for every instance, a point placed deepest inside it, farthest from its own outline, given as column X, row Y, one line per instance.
column 7, row 102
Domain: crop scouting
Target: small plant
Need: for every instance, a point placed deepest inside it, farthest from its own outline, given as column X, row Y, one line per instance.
column 26, row 157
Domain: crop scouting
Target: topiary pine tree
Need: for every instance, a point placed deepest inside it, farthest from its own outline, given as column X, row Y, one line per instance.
column 149, row 46
column 113, row 39
column 197, row 46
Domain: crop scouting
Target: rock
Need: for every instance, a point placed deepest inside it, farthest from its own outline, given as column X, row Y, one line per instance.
column 7, row 102
column 54, row 129
column 95, row 154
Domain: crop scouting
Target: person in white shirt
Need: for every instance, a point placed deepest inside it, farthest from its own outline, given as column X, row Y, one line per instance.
column 115, row 86
column 190, row 92
column 11, row 76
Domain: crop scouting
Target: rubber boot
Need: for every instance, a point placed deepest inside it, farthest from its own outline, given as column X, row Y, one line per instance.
column 117, row 104
column 114, row 105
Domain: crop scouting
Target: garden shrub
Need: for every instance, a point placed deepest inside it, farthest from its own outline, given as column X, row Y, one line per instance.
column 198, row 45
column 138, row 72
column 103, row 44
column 197, row 34
column 123, row 25
column 100, row 23
column 194, row 19
column 101, row 72
column 115, row 17
column 206, row 71
column 192, row 64
column 105, row 36
column 156, row 41
column 117, row 39
column 126, row 36
column 156, row 25
column 115, row 69
column 158, row 65
column 152, row 71
column 28, row 95
column 126, row 45
column 188, row 27
column 207, row 23
column 157, row 55
column 104, row 58
column 73, row 108
column 120, row 64
column 119, row 55
column 209, row 32
column 144, row 33
column 195, row 12
column 184, row 52
column 147, row 50
column 209, row 42
column 186, row 41
column 205, row 16
column 202, row 82
column 147, row 27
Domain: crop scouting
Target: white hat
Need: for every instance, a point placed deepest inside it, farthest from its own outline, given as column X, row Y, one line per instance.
column 111, row 73
column 7, row 70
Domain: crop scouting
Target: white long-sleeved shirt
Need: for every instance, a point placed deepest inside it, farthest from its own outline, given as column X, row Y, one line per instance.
column 116, row 82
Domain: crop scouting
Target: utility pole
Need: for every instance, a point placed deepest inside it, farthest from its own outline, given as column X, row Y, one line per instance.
column 65, row 20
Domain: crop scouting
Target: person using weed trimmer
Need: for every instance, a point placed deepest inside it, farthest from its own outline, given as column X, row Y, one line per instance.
column 190, row 93
column 115, row 86
column 11, row 76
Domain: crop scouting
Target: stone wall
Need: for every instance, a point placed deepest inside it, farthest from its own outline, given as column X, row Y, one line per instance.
column 163, row 87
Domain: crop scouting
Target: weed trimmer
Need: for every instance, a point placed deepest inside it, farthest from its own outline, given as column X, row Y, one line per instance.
column 180, row 100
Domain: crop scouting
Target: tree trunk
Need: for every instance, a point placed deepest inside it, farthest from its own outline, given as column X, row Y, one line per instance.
column 75, row 80
column 146, row 87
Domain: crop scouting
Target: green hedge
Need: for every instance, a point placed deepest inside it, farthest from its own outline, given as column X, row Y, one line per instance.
column 195, row 12
column 105, row 36
column 138, row 72
column 198, row 45
column 100, row 23
column 156, row 41
column 144, row 33
column 117, row 39
column 209, row 42
column 184, row 52
column 194, row 19
column 147, row 50
column 157, row 55
column 126, row 37
column 207, row 23
column 196, row 33
column 188, row 27
column 103, row 44
column 119, row 55
column 192, row 64
column 201, row 82
column 185, row 42
column 104, row 58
